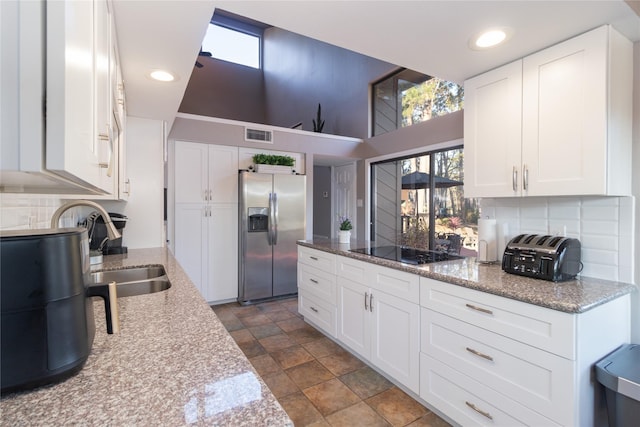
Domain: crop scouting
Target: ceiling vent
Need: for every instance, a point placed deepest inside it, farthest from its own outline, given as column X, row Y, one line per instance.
column 258, row 135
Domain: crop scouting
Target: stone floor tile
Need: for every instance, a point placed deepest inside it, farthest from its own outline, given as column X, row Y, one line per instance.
column 341, row 362
column 242, row 336
column 300, row 409
column 357, row 415
column 254, row 320
column 397, row 407
column 265, row 365
column 330, row 396
column 251, row 348
column 309, row 374
column 292, row 356
column 289, row 325
column 276, row 342
column 429, row 420
column 266, row 330
column 280, row 384
column 365, row 382
column 305, row 334
column 321, row 347
column 276, row 316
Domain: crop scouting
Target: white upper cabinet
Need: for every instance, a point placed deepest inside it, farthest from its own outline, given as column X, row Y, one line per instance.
column 66, row 141
column 206, row 173
column 557, row 122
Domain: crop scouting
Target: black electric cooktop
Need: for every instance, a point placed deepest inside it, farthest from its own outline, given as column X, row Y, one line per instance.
column 406, row 255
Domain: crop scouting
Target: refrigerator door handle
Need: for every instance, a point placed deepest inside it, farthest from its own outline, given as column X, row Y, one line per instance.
column 275, row 217
column 272, row 220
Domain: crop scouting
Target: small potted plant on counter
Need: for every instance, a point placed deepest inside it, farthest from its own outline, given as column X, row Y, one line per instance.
column 344, row 234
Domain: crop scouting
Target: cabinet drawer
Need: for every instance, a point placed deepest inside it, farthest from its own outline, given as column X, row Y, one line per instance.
column 469, row 402
column 318, row 312
column 318, row 282
column 535, row 378
column 353, row 269
column 547, row 329
column 394, row 282
column 319, row 259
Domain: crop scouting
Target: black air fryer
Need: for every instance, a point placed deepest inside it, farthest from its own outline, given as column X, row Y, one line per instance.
column 47, row 327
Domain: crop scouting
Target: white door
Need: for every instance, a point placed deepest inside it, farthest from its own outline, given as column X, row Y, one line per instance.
column 564, row 123
column 395, row 338
column 354, row 319
column 344, row 195
column 191, row 172
column 492, row 132
column 191, row 243
column 223, row 252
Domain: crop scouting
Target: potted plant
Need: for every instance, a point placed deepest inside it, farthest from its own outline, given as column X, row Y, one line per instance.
column 344, row 234
column 273, row 163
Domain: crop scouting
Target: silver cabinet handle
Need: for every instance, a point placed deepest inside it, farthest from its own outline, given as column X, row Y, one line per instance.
column 479, row 354
column 525, row 177
column 315, row 310
column 514, row 178
column 480, row 411
column 313, row 281
column 313, row 258
column 371, row 302
column 210, row 194
column 366, row 307
column 127, row 186
column 204, row 195
column 480, row 309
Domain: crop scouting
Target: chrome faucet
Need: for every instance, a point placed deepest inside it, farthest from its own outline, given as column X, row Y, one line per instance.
column 112, row 232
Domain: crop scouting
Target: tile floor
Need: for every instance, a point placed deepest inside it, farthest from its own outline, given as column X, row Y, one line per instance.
column 316, row 381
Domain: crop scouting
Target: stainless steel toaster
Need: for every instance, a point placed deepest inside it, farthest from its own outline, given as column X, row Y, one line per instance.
column 555, row 258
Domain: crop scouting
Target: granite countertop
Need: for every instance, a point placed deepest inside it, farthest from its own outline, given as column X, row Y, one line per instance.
column 173, row 363
column 574, row 296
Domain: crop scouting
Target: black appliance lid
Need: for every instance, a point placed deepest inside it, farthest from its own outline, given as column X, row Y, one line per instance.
column 39, row 233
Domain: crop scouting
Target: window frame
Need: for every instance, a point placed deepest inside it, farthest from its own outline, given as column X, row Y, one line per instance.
column 230, row 23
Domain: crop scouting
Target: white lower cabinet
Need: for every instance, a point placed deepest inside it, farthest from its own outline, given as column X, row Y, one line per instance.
column 317, row 288
column 489, row 360
column 212, row 267
column 382, row 328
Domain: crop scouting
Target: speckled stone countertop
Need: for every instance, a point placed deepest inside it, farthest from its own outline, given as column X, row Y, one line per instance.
column 575, row 296
column 173, row 363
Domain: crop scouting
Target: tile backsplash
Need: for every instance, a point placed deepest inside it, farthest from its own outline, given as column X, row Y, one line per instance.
column 23, row 211
column 604, row 226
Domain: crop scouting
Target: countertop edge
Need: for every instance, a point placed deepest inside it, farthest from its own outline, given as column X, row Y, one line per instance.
column 616, row 289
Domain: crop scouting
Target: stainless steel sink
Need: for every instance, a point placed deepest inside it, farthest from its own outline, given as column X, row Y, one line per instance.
column 134, row 281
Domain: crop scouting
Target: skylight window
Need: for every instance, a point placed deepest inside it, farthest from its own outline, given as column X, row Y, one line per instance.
column 233, row 46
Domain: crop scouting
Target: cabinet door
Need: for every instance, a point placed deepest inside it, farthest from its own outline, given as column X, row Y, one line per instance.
column 565, row 117
column 191, row 174
column 395, row 338
column 191, row 243
column 71, row 149
column 223, row 174
column 354, row 318
column 492, row 132
column 223, row 252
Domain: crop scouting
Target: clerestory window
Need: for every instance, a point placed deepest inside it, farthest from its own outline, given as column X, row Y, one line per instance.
column 230, row 39
column 407, row 97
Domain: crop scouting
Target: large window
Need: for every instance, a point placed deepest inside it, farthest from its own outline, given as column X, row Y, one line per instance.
column 409, row 97
column 419, row 202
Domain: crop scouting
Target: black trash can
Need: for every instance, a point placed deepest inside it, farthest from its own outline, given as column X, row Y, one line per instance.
column 619, row 373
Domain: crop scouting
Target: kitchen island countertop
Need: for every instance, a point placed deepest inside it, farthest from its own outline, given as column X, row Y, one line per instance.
column 574, row 296
column 173, row 363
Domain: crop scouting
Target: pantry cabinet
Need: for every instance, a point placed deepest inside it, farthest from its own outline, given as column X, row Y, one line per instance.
column 206, row 217
column 557, row 122
column 379, row 319
column 206, row 247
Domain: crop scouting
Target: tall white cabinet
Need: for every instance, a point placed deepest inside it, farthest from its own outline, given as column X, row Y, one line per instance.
column 206, row 217
column 557, row 122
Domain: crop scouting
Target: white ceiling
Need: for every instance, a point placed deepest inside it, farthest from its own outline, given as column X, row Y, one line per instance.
column 426, row 36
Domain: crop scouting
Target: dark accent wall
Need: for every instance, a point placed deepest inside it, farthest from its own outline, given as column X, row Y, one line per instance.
column 225, row 90
column 300, row 73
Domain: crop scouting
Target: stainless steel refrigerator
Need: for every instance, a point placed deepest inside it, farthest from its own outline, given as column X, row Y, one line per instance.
column 272, row 217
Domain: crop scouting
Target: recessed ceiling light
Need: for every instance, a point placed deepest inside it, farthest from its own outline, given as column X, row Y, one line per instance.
column 162, row 76
column 490, row 38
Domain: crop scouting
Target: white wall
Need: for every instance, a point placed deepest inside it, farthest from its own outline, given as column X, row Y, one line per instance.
column 145, row 165
column 635, row 299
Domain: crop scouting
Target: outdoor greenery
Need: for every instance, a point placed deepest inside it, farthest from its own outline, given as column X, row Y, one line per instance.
column 272, row 159
column 432, row 98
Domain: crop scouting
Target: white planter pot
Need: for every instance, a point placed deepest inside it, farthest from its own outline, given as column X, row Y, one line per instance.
column 344, row 236
column 274, row 169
